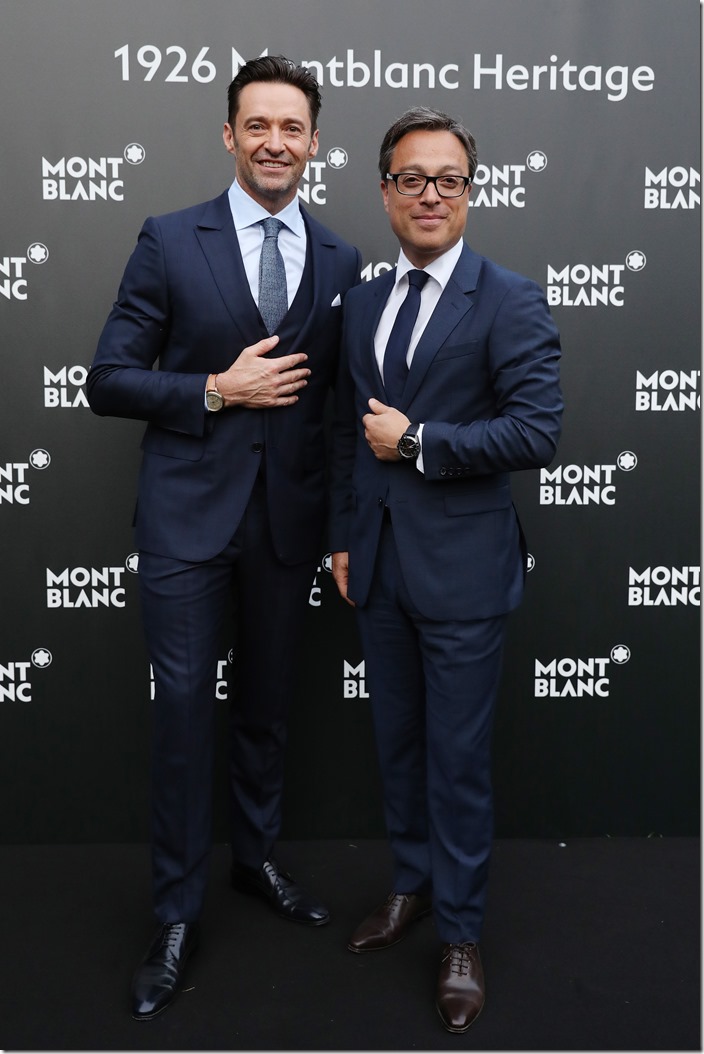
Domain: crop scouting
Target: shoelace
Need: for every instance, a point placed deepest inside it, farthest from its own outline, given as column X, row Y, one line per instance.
column 280, row 877
column 459, row 956
column 172, row 935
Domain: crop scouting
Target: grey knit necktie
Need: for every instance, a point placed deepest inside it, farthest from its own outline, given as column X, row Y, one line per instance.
column 273, row 298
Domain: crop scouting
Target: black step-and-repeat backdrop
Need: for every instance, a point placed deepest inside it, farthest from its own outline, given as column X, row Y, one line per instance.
column 586, row 114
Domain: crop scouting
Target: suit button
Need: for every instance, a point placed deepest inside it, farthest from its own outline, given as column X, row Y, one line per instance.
column 257, row 448
column 380, row 502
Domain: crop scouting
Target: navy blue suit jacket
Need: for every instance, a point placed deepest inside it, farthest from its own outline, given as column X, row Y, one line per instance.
column 484, row 381
column 185, row 301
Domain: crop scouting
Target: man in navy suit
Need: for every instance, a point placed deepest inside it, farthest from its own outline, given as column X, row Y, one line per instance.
column 449, row 382
column 239, row 301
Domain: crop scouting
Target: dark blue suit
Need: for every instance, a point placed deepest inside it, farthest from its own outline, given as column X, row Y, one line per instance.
column 433, row 589
column 227, row 501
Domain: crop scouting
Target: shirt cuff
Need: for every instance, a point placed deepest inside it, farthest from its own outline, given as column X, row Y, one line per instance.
column 419, row 459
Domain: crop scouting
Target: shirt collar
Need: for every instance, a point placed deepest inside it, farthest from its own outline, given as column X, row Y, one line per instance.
column 246, row 212
column 440, row 269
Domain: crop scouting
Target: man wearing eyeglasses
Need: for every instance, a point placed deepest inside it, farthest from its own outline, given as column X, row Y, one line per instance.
column 449, row 383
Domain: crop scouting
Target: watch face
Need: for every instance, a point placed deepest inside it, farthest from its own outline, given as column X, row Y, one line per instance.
column 214, row 400
column 409, row 446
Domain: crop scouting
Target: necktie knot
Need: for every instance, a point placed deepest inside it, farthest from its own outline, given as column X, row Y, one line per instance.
column 271, row 226
column 417, row 278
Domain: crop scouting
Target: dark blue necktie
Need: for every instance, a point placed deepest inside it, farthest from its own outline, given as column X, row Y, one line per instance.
column 395, row 368
column 273, row 295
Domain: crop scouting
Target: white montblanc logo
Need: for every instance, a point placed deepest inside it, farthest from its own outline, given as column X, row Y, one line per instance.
column 37, row 253
column 315, row 598
column 313, row 187
column 337, row 157
column 668, row 390
column 353, row 683
column 15, row 683
column 40, row 458
column 64, row 387
column 663, row 586
column 13, row 277
column 14, row 477
column 134, row 154
column 495, row 185
column 85, row 587
column 373, row 270
column 88, row 178
column 576, row 678
column 584, row 484
column 676, row 187
column 588, row 285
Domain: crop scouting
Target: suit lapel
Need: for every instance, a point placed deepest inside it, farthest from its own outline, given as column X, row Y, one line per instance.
column 218, row 240
column 379, row 293
column 322, row 250
column 455, row 302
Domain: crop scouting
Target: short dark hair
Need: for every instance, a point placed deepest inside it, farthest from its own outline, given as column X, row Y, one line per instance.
column 423, row 119
column 279, row 70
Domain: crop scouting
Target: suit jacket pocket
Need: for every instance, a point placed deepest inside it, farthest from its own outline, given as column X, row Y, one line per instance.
column 481, row 498
column 456, row 351
column 172, row 444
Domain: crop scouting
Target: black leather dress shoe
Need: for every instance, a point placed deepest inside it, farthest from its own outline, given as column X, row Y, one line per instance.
column 279, row 889
column 159, row 976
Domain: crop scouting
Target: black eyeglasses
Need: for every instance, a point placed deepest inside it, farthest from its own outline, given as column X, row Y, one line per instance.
column 412, row 184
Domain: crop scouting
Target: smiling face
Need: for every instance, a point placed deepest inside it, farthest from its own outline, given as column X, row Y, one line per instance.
column 272, row 141
column 427, row 226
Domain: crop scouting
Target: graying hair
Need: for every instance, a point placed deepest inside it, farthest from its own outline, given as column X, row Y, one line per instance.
column 423, row 119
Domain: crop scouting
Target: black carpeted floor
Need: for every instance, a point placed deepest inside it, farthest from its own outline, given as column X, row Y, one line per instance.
column 590, row 946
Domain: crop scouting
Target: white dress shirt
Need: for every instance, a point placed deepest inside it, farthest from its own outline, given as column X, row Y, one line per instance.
column 438, row 272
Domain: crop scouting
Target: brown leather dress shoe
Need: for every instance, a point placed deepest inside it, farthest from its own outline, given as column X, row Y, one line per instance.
column 388, row 924
column 460, row 986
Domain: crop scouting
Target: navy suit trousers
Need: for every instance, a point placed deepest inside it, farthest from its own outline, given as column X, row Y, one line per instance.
column 184, row 609
column 433, row 686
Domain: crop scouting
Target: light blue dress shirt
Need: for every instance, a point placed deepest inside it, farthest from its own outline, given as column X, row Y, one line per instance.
column 247, row 215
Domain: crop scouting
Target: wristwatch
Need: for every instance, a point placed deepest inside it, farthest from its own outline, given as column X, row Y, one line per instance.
column 213, row 399
column 408, row 445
